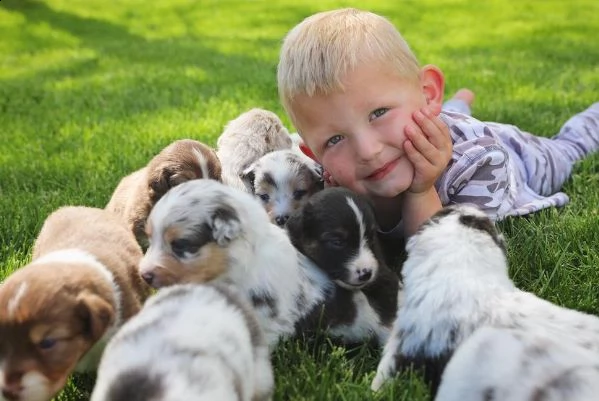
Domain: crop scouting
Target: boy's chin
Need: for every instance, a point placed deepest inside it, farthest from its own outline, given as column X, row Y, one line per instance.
column 386, row 190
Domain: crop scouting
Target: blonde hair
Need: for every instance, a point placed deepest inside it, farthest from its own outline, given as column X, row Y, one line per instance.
column 318, row 52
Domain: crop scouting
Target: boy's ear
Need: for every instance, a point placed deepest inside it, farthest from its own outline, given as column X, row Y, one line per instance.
column 433, row 86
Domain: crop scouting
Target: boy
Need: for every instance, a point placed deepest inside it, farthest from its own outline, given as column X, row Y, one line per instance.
column 372, row 116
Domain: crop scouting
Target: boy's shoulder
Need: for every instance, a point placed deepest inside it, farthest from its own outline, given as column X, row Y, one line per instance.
column 467, row 131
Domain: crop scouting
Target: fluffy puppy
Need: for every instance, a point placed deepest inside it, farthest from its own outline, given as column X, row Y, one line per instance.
column 59, row 310
column 190, row 342
column 283, row 180
column 337, row 230
column 181, row 161
column 247, row 138
column 203, row 231
column 516, row 365
column 455, row 281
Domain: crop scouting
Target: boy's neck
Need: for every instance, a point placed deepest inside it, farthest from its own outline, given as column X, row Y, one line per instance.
column 387, row 212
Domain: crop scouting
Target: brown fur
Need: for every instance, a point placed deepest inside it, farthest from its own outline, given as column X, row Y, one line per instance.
column 69, row 302
column 138, row 192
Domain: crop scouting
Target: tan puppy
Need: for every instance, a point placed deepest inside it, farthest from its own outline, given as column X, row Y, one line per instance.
column 137, row 193
column 57, row 313
column 247, row 138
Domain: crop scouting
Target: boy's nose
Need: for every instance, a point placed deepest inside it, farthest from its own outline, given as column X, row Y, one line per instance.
column 368, row 147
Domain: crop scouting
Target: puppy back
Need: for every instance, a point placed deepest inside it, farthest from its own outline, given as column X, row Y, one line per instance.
column 103, row 235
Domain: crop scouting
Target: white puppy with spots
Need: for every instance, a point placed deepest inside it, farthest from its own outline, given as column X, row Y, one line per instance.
column 190, row 342
column 517, row 365
column 203, row 231
column 456, row 281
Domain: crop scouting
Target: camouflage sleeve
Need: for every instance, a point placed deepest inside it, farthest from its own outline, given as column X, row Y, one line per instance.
column 479, row 174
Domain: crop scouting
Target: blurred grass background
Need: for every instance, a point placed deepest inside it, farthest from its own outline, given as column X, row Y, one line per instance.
column 90, row 90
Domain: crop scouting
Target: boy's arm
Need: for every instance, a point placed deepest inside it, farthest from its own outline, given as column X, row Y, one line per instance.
column 417, row 207
column 480, row 176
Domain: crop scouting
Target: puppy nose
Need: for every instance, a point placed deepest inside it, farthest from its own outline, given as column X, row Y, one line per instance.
column 11, row 392
column 281, row 220
column 364, row 274
column 148, row 277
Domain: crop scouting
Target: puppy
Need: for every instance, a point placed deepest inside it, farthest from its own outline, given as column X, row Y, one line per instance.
column 337, row 230
column 181, row 161
column 246, row 139
column 203, row 231
column 455, row 281
column 59, row 310
column 516, row 365
column 189, row 342
column 283, row 180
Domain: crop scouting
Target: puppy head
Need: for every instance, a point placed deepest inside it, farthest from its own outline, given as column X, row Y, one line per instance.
column 48, row 321
column 457, row 237
column 337, row 230
column 181, row 161
column 283, row 181
column 263, row 127
column 193, row 232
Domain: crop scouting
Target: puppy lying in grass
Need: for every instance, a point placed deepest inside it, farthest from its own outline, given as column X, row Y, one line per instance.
column 189, row 342
column 517, row 365
column 456, row 281
column 137, row 193
column 336, row 229
column 283, row 180
column 60, row 310
column 203, row 231
column 246, row 139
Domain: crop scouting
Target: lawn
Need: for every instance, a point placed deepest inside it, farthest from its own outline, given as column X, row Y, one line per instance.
column 90, row 90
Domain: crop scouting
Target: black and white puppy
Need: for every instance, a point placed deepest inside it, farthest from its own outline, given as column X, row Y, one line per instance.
column 283, row 180
column 247, row 138
column 455, row 281
column 203, row 231
column 517, row 365
column 337, row 230
column 189, row 342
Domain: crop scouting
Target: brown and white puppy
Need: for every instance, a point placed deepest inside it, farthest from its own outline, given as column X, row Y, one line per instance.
column 246, row 139
column 57, row 312
column 337, row 230
column 283, row 180
column 137, row 193
column 190, row 342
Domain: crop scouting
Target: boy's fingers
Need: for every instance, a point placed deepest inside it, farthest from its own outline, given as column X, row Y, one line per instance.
column 422, row 145
column 433, row 128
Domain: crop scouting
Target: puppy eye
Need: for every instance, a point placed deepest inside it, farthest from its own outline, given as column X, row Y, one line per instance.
column 334, row 241
column 46, row 343
column 297, row 195
column 264, row 197
column 182, row 246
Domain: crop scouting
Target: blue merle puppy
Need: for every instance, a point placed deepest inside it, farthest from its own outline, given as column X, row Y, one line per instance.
column 456, row 281
column 518, row 365
column 192, row 342
column 336, row 230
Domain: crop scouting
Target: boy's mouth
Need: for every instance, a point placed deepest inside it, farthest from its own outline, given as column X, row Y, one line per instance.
column 380, row 173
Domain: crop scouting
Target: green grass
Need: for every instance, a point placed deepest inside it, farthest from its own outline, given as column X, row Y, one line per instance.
column 90, row 90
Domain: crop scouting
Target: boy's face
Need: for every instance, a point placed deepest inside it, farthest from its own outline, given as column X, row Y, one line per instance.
column 358, row 134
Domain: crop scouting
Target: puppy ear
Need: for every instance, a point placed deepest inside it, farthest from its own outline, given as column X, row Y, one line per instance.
column 248, row 176
column 97, row 314
column 159, row 181
column 225, row 225
column 294, row 227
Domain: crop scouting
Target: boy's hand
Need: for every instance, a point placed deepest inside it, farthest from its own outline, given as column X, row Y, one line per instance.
column 428, row 147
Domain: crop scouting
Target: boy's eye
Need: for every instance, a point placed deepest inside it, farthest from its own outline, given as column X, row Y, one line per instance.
column 377, row 113
column 334, row 140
